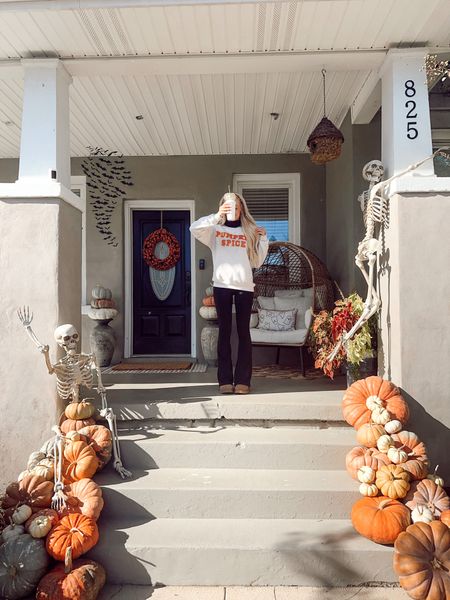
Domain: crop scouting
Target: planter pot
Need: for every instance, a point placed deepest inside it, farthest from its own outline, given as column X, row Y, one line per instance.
column 209, row 338
column 369, row 366
column 103, row 342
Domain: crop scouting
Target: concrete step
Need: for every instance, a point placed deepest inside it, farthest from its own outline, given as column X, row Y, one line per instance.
column 200, row 402
column 198, row 552
column 237, row 447
column 230, row 494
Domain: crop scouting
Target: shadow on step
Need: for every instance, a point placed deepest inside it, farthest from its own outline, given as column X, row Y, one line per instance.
column 112, row 552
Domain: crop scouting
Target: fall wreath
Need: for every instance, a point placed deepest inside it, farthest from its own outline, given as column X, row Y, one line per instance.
column 161, row 264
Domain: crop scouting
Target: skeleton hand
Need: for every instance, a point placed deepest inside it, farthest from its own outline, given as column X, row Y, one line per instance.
column 44, row 349
column 24, row 316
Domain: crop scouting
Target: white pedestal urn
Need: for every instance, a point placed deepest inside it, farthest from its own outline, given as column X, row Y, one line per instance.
column 103, row 337
column 210, row 334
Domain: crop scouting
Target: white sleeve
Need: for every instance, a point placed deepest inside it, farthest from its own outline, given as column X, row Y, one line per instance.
column 263, row 248
column 204, row 228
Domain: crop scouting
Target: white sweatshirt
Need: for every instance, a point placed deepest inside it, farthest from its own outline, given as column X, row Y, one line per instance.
column 228, row 245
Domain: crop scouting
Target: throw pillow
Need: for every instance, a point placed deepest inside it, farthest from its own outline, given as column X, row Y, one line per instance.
column 266, row 302
column 301, row 304
column 276, row 320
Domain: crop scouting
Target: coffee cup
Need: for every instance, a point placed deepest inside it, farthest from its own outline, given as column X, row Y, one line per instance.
column 231, row 200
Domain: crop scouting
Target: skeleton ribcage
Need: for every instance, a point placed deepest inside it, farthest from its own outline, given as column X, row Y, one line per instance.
column 70, row 374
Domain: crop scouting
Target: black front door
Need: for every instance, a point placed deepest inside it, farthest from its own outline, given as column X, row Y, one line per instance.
column 161, row 299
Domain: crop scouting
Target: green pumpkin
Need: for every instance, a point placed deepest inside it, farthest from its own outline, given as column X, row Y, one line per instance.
column 101, row 293
column 23, row 562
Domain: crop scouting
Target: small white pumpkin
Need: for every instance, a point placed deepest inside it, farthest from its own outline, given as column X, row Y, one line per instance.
column 393, row 426
column 436, row 478
column 366, row 474
column 73, row 436
column 12, row 531
column 397, row 455
column 40, row 526
column 209, row 291
column 34, row 459
column 22, row 514
column 380, row 415
column 23, row 474
column 45, row 469
column 368, row 489
column 374, row 402
column 422, row 514
column 384, row 442
column 209, row 313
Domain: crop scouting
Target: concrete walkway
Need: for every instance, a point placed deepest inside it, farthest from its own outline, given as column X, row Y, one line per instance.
column 129, row 592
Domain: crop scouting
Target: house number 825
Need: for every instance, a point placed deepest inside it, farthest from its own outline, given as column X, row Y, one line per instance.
column 410, row 92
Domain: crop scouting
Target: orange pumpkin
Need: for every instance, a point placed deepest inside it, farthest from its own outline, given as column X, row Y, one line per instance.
column 417, row 463
column 79, row 461
column 80, row 580
column 100, row 439
column 354, row 406
column 422, row 561
column 360, row 456
column 209, row 301
column 393, row 481
column 75, row 424
column 32, row 490
column 79, row 410
column 427, row 493
column 74, row 530
column 84, row 497
column 445, row 517
column 368, row 434
column 380, row 519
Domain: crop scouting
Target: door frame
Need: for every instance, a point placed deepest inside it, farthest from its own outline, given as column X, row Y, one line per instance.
column 165, row 205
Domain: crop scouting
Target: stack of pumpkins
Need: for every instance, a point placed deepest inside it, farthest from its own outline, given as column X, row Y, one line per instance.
column 208, row 309
column 33, row 534
column 102, row 304
column 392, row 468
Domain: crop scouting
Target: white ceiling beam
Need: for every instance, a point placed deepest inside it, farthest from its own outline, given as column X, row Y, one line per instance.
column 367, row 101
column 34, row 5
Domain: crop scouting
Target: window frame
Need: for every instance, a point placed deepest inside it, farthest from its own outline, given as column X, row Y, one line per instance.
column 78, row 182
column 276, row 180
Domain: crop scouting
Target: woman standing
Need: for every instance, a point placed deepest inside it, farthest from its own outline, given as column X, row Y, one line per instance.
column 237, row 246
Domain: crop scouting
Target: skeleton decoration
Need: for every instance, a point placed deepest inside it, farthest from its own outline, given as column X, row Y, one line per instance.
column 375, row 206
column 72, row 371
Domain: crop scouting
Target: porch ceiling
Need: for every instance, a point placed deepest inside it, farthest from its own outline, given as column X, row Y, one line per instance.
column 125, row 62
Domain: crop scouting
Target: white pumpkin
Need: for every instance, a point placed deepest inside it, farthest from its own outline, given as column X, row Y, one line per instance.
column 393, row 426
column 45, row 469
column 368, row 489
column 40, row 526
column 23, row 474
column 380, row 415
column 209, row 291
column 208, row 312
column 21, row 514
column 48, row 449
column 422, row 514
column 374, row 402
column 101, row 293
column 366, row 474
column 436, row 478
column 34, row 459
column 397, row 455
column 384, row 442
column 73, row 436
column 12, row 531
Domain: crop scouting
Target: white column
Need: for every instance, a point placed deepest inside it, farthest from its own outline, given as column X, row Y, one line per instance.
column 45, row 137
column 406, row 127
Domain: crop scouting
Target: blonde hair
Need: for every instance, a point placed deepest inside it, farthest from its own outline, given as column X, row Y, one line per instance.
column 248, row 225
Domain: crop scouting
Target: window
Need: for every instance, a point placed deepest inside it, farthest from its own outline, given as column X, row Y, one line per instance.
column 274, row 201
column 78, row 187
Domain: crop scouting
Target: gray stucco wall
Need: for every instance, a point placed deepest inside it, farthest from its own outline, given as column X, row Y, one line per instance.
column 344, row 182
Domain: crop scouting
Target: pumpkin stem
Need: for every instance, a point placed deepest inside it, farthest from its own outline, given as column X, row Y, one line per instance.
column 384, row 503
column 12, row 571
column 437, row 564
column 68, row 560
column 76, row 530
column 435, row 470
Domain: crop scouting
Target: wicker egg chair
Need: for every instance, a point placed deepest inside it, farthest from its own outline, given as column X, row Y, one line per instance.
column 291, row 267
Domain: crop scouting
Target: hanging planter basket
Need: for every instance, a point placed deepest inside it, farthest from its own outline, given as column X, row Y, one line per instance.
column 148, row 250
column 325, row 142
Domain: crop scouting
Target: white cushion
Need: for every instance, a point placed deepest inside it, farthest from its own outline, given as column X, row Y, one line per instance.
column 295, row 336
column 254, row 320
column 308, row 293
column 288, row 293
column 276, row 320
column 308, row 317
column 299, row 303
column 267, row 302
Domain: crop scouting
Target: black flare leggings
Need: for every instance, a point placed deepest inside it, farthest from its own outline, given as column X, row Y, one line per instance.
column 223, row 298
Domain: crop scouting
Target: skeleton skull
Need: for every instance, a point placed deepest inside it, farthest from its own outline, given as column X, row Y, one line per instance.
column 67, row 337
column 373, row 171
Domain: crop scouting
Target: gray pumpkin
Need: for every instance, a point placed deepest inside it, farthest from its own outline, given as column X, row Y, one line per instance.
column 23, row 562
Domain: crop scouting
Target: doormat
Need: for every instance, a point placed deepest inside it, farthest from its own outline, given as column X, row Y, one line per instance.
column 279, row 372
column 157, row 367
